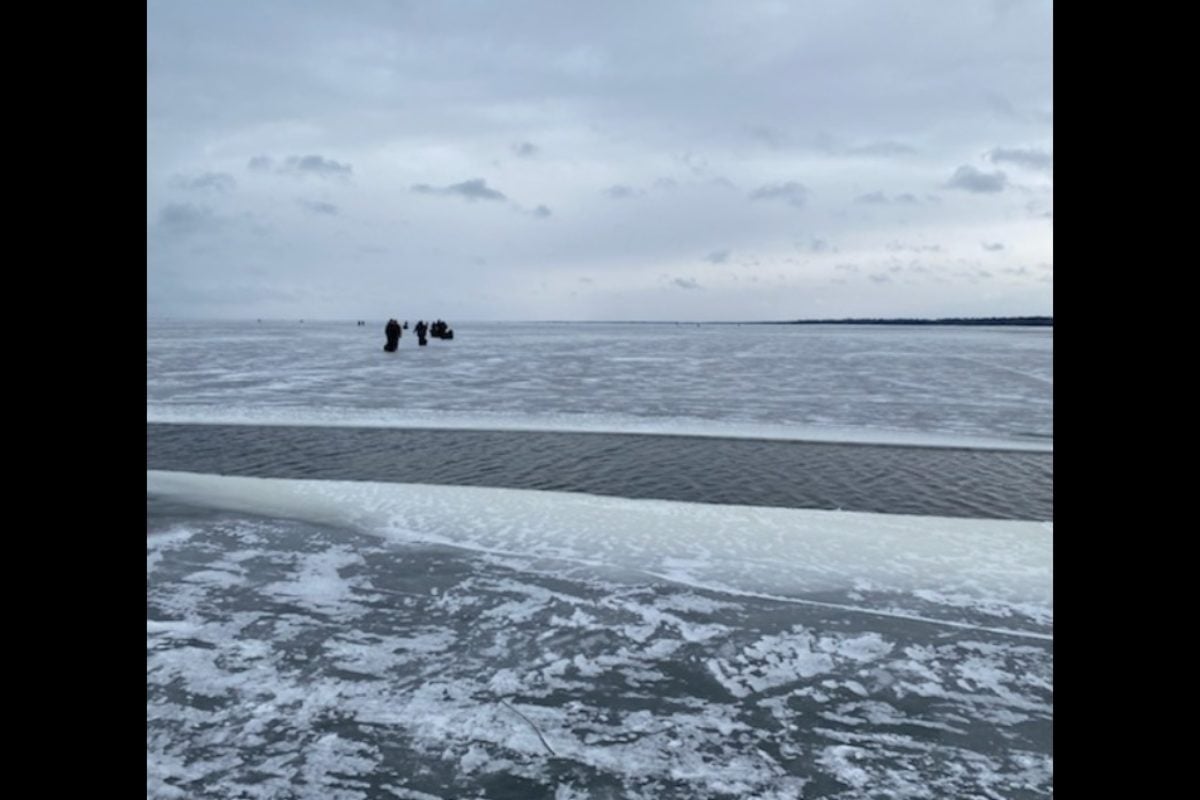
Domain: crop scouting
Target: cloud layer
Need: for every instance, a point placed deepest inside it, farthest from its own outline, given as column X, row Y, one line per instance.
column 970, row 179
column 474, row 189
column 488, row 158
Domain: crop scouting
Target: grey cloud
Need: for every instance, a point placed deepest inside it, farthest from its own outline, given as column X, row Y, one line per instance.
column 696, row 164
column 541, row 212
column 216, row 181
column 882, row 149
column 827, row 143
column 791, row 192
column 299, row 166
column 666, row 183
column 879, row 198
column 970, row 179
column 1004, row 107
column 686, row 283
column 880, row 277
column 621, row 192
column 820, row 246
column 319, row 207
column 993, row 246
column 315, row 165
column 901, row 247
column 474, row 189
column 717, row 256
column 723, row 183
column 185, row 218
column 1030, row 159
column 872, row 198
column 769, row 136
column 525, row 149
column 1002, row 8
column 1000, row 104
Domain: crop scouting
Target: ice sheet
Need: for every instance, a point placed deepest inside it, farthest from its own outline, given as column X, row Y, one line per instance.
column 967, row 387
column 769, row 551
column 331, row 663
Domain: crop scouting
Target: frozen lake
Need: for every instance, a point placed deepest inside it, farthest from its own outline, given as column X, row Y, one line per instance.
column 476, row 569
column 981, row 386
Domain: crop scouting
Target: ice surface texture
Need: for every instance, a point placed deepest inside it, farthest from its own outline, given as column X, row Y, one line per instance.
column 983, row 386
column 361, row 639
column 296, row 657
column 737, row 549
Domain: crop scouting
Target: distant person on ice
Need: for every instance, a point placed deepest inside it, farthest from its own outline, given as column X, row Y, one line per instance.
column 420, row 328
column 392, row 331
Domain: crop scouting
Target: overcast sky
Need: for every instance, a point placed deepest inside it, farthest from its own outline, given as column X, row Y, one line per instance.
column 554, row 159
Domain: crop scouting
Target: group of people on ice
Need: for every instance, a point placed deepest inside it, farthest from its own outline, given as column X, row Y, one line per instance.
column 393, row 331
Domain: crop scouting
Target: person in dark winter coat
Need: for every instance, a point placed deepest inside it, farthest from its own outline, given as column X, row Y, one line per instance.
column 392, row 331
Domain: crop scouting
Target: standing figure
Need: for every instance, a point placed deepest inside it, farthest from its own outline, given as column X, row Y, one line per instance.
column 392, row 331
column 421, row 328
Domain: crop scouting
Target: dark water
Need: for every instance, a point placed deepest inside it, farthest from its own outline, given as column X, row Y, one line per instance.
column 853, row 477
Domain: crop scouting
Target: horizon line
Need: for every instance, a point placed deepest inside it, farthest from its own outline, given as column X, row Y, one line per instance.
column 1036, row 319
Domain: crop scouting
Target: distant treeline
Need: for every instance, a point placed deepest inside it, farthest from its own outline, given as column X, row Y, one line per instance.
column 1042, row 321
column 1045, row 322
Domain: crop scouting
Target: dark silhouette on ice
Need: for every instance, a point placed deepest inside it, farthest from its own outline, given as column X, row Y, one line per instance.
column 392, row 331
